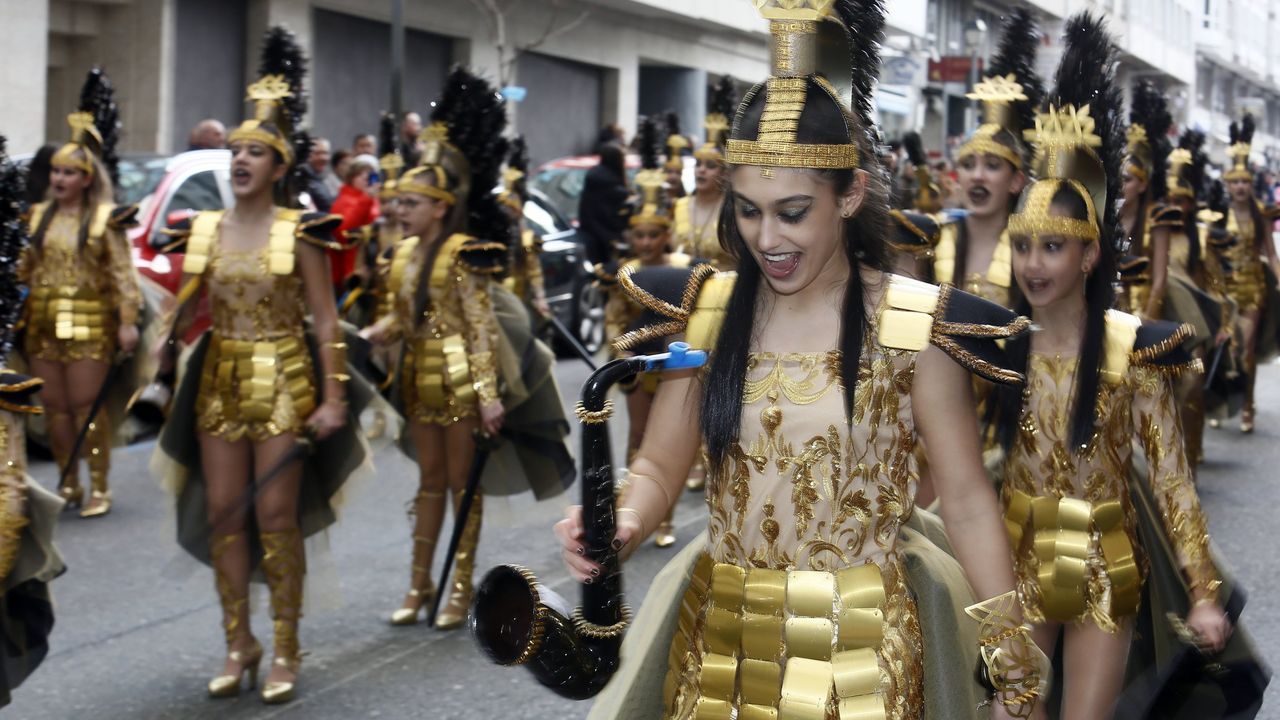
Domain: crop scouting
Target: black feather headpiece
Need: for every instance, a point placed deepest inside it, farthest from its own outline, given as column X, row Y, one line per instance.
column 1010, row 95
column 387, row 141
column 1016, row 55
column 724, row 100
column 1241, row 146
column 1148, row 136
column 97, row 97
column 282, row 56
column 13, row 238
column 647, row 144
column 651, row 180
column 864, row 20
column 914, row 145
column 474, row 117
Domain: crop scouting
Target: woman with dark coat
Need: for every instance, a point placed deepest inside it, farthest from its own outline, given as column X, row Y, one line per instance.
column 600, row 209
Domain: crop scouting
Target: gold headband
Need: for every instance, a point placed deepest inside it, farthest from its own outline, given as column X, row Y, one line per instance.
column 266, row 95
column 1034, row 218
column 414, row 182
column 67, row 157
column 1136, row 169
column 984, row 142
column 253, row 131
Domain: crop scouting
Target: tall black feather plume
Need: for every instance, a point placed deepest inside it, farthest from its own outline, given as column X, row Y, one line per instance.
column 1087, row 76
column 1016, row 54
column 97, row 97
column 724, row 97
column 387, row 144
column 13, row 237
column 647, row 144
column 864, row 21
column 1193, row 142
column 477, row 116
column 282, row 55
column 1218, row 202
column 1150, row 109
column 672, row 119
column 518, row 159
column 1243, row 133
column 914, row 145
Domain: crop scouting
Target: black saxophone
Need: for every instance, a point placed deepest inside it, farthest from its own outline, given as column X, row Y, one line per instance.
column 518, row 621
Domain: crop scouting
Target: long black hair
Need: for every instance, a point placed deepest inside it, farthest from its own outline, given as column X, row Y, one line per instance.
column 1086, row 76
column 1193, row 142
column 822, row 122
column 13, row 238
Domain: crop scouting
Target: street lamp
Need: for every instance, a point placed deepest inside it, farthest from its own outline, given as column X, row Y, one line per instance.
column 975, row 37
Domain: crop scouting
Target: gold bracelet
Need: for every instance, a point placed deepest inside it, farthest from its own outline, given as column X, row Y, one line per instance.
column 338, row 377
column 666, row 494
column 644, row 529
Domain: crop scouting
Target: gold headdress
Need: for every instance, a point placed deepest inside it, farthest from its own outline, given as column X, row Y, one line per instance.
column 1066, row 154
column 717, row 122
column 677, row 143
column 1187, row 166
column 1009, row 95
column 1146, row 147
column 796, row 98
column 651, row 180
column 269, row 123
column 435, row 149
column 79, row 152
column 1241, row 147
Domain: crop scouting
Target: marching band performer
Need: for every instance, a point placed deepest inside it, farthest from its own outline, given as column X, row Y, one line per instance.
column 696, row 216
column 1248, row 256
column 1096, row 380
column 85, row 301
column 470, row 363
column 265, row 381
column 821, row 363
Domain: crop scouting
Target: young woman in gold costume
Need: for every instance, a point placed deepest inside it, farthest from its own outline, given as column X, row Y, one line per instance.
column 268, row 379
column 459, row 375
column 84, row 302
column 824, row 372
column 1096, row 380
column 696, row 216
column 1249, row 228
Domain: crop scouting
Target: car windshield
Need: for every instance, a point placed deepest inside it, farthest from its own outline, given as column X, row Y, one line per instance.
column 138, row 178
column 563, row 187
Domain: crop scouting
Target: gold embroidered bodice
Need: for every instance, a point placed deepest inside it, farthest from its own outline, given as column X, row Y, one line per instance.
column 79, row 296
column 13, row 445
column 700, row 240
column 247, row 301
column 803, row 491
column 1070, row 514
column 994, row 284
column 450, row 350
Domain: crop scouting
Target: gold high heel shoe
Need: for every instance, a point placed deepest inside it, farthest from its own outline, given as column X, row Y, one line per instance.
column 72, row 496
column 282, row 563
column 99, row 504
column 225, row 686
column 234, row 613
column 424, row 591
column 454, row 613
column 666, row 534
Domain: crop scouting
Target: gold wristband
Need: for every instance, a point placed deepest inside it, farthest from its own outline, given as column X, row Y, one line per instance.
column 337, row 361
column 666, row 494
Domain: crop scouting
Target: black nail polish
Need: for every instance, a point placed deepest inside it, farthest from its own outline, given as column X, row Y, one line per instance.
column 595, row 572
column 587, row 581
column 617, row 544
column 582, row 550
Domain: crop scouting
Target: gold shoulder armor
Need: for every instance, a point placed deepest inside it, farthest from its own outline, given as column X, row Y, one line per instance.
column 906, row 320
column 1117, row 345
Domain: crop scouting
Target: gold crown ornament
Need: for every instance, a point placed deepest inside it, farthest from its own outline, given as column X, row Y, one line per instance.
column 1138, row 148
column 1066, row 155
column 391, row 165
column 653, row 211
column 80, row 151
column 676, row 144
column 793, row 30
column 267, row 125
column 716, row 125
column 1180, row 161
column 997, row 95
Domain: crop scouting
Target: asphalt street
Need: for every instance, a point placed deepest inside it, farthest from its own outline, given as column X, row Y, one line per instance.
column 138, row 626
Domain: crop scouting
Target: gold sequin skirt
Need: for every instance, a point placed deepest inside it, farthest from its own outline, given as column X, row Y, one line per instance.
column 1075, row 561
column 755, row 643
column 254, row 389
column 64, row 328
column 1247, row 285
column 436, row 385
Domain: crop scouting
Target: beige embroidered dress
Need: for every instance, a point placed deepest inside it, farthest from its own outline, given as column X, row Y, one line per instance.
column 79, row 297
column 1246, row 279
column 1070, row 516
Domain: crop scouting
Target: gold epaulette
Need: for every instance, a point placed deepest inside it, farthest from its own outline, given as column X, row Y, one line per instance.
column 122, row 217
column 944, row 254
column 98, row 223
column 916, row 314
column 1117, row 345
column 706, row 293
column 315, row 229
column 204, row 227
column 442, row 271
column 1161, row 346
column 400, row 257
column 1166, row 216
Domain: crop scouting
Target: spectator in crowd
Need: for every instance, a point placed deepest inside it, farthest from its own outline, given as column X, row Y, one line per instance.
column 208, row 134
column 340, row 161
column 602, row 203
column 357, row 203
column 38, row 174
column 410, row 146
column 611, row 134
column 364, row 144
column 314, row 172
